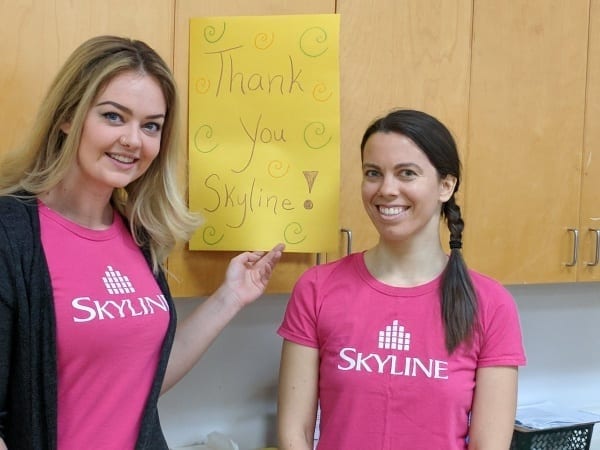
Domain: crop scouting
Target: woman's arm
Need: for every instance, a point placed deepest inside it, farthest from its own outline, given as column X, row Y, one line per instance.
column 246, row 278
column 298, row 396
column 494, row 408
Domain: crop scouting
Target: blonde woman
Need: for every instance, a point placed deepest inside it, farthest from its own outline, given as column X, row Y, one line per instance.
column 89, row 210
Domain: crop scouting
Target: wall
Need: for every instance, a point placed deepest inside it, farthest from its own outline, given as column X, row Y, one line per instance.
column 233, row 389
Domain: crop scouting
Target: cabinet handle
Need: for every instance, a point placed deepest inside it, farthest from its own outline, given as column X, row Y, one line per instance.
column 597, row 257
column 348, row 234
column 349, row 240
column 575, row 246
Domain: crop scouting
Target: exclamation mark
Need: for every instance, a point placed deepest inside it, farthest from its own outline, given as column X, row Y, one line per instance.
column 310, row 176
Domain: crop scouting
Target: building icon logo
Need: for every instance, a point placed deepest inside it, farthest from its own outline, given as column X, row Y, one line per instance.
column 116, row 283
column 394, row 337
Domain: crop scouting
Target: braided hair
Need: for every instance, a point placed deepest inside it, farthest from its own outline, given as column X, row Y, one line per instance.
column 458, row 298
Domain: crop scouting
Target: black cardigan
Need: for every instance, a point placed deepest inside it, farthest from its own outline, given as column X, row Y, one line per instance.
column 28, row 373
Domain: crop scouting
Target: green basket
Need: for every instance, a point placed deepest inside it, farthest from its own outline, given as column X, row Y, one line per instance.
column 577, row 437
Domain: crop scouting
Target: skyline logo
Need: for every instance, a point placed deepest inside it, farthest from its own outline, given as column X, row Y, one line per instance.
column 393, row 337
column 116, row 283
column 86, row 309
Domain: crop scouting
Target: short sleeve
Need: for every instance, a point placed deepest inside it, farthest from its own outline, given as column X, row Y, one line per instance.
column 300, row 319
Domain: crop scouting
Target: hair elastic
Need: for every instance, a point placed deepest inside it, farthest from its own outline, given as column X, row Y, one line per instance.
column 455, row 244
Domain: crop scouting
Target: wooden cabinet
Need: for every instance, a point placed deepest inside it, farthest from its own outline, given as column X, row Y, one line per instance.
column 37, row 36
column 588, row 266
column 515, row 82
column 526, row 129
column 409, row 53
column 518, row 84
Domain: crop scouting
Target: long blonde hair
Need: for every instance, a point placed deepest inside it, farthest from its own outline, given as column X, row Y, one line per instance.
column 153, row 204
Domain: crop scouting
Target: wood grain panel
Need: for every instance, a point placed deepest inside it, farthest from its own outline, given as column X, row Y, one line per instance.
column 525, row 136
column 37, row 36
column 590, row 197
column 398, row 53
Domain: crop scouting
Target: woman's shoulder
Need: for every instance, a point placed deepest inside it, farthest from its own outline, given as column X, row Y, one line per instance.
column 17, row 213
column 17, row 206
column 338, row 267
column 489, row 290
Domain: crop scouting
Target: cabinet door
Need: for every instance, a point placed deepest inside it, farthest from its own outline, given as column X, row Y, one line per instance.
column 37, row 36
column 590, row 193
column 194, row 273
column 397, row 53
column 525, row 135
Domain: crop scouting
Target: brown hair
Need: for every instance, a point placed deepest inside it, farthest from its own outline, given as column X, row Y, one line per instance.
column 459, row 302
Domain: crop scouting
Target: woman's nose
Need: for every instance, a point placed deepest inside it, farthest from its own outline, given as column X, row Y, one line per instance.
column 388, row 186
column 131, row 137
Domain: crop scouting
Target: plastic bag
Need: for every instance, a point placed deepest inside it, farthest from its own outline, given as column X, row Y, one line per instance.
column 218, row 441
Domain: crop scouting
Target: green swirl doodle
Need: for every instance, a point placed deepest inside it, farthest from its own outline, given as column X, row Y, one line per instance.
column 313, row 35
column 208, row 132
column 296, row 231
column 210, row 34
column 208, row 236
column 317, row 129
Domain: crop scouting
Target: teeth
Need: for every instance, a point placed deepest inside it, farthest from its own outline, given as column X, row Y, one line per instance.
column 122, row 158
column 391, row 211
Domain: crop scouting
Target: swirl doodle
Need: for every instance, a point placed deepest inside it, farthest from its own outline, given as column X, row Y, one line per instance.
column 202, row 85
column 278, row 169
column 313, row 42
column 263, row 41
column 321, row 93
column 204, row 132
column 209, row 236
column 211, row 35
column 294, row 233
column 314, row 135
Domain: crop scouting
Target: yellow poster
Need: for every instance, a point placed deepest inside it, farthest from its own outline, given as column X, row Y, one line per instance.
column 264, row 132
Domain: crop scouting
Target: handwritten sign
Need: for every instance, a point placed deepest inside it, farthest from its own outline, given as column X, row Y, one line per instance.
column 264, row 132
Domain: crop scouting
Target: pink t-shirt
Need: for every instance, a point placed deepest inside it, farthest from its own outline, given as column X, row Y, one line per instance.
column 386, row 380
column 111, row 320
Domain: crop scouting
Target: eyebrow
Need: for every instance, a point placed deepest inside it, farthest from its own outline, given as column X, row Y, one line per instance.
column 396, row 167
column 127, row 110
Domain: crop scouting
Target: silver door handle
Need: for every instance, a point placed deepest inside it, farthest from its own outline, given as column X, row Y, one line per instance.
column 597, row 255
column 575, row 246
column 348, row 240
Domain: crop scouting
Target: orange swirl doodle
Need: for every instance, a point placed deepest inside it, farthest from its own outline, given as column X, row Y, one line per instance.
column 321, row 93
column 204, row 132
column 294, row 233
column 211, row 35
column 202, row 85
column 263, row 41
column 313, row 42
column 278, row 169
column 314, row 135
column 209, row 234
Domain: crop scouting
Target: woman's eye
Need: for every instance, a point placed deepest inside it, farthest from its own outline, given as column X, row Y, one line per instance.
column 407, row 173
column 371, row 173
column 112, row 116
column 152, row 127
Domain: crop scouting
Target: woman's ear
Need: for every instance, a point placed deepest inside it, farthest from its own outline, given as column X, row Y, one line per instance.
column 447, row 186
column 65, row 127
